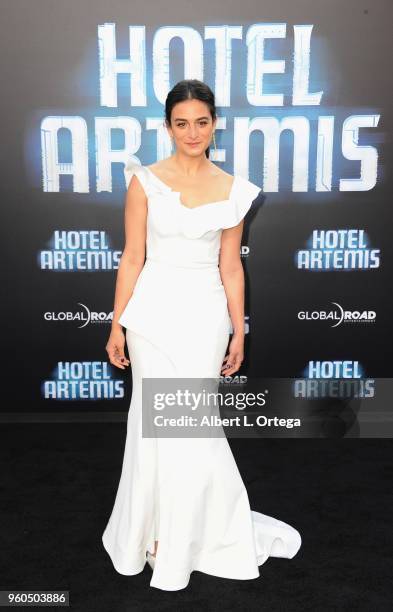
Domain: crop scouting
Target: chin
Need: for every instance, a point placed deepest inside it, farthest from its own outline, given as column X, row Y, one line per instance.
column 195, row 150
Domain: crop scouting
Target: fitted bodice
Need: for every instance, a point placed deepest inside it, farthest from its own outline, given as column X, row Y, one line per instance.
column 183, row 236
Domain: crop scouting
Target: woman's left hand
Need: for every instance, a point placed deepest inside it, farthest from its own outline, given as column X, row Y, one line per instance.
column 234, row 359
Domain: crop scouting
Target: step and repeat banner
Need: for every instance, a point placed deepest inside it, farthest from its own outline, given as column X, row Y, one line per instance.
column 303, row 94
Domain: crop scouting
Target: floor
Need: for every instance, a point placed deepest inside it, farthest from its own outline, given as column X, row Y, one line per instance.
column 58, row 482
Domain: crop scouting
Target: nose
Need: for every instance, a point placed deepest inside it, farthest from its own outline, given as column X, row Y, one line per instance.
column 193, row 131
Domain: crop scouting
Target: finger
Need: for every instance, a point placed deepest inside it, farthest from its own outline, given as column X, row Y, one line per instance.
column 228, row 365
column 113, row 362
column 231, row 370
column 123, row 359
column 232, row 365
column 115, row 359
column 118, row 353
column 116, row 362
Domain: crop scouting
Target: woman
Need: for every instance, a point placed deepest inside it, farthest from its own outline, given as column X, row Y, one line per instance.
column 181, row 503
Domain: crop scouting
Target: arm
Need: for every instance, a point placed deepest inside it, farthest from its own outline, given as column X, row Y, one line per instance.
column 130, row 266
column 232, row 276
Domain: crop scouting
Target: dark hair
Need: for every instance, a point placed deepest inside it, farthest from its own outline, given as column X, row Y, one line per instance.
column 189, row 89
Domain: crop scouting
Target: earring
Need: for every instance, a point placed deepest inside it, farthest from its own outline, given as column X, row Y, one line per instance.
column 214, row 140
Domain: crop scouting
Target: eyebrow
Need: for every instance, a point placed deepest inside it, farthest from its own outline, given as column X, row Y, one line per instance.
column 198, row 119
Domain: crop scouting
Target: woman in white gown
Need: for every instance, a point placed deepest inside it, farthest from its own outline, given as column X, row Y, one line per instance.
column 181, row 503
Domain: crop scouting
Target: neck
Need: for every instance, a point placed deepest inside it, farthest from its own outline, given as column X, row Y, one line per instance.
column 189, row 165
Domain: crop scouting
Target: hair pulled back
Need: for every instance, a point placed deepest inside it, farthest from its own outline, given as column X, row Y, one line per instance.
column 189, row 89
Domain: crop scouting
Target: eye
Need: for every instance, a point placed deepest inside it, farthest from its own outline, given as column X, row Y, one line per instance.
column 180, row 124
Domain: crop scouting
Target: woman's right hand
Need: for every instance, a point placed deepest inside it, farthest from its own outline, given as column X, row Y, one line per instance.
column 115, row 349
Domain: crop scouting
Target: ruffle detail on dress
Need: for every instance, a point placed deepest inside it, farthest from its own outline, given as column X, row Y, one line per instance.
column 143, row 175
column 224, row 214
column 171, row 217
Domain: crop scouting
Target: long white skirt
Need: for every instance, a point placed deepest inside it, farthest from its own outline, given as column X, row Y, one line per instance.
column 186, row 493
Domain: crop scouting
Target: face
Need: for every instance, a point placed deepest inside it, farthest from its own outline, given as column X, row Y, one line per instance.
column 191, row 127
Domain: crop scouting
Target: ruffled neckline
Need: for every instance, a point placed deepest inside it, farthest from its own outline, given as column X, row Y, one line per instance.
column 192, row 222
column 169, row 189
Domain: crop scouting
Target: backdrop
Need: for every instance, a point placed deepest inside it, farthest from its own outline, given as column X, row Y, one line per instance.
column 303, row 93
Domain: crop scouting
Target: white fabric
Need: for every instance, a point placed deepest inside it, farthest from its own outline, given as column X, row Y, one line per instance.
column 186, row 493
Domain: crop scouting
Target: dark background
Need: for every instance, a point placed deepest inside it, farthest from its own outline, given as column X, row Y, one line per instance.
column 50, row 67
column 58, row 482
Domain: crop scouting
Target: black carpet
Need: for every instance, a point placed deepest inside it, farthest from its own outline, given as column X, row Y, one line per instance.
column 58, row 483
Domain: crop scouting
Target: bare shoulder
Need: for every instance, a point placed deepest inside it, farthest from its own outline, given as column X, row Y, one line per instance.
column 161, row 167
column 154, row 166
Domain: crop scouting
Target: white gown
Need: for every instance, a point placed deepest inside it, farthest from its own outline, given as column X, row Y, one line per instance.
column 185, row 493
